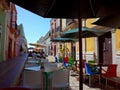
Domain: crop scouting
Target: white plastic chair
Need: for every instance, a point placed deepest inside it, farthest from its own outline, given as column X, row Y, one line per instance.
column 60, row 79
column 33, row 79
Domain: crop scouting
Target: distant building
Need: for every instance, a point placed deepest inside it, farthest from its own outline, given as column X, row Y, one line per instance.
column 22, row 40
column 47, row 43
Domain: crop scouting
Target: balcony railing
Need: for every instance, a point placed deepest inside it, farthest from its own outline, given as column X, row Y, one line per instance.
column 69, row 21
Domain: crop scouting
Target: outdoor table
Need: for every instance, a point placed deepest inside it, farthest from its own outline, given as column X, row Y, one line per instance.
column 32, row 61
column 34, row 68
column 47, row 71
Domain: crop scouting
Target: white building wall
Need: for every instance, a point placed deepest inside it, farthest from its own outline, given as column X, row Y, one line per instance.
column 57, row 22
column 115, row 55
column 63, row 24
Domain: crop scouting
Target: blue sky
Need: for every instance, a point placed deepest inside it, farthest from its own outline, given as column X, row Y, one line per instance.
column 34, row 26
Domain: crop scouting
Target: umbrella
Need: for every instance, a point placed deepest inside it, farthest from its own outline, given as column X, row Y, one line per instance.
column 109, row 21
column 60, row 39
column 73, row 33
column 86, row 33
column 70, row 8
column 37, row 45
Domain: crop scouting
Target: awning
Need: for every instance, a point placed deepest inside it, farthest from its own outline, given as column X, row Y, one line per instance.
column 37, row 45
column 86, row 33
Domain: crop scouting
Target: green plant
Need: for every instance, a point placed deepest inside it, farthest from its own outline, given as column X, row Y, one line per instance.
column 61, row 59
column 71, row 61
column 64, row 51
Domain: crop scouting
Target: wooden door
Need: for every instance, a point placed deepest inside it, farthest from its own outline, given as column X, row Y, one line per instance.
column 10, row 48
column 105, row 48
column 73, row 50
column 55, row 50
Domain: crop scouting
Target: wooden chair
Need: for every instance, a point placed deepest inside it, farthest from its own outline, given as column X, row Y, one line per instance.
column 110, row 72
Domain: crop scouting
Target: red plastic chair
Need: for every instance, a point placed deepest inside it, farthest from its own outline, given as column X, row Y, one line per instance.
column 66, row 59
column 111, row 72
column 15, row 88
column 83, row 63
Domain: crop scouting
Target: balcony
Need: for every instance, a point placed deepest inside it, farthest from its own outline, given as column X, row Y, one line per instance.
column 71, row 23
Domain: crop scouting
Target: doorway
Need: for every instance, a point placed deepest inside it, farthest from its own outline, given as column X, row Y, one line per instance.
column 10, row 48
column 105, row 48
column 73, row 50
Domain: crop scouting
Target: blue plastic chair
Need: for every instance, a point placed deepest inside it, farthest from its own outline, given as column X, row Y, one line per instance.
column 56, row 60
column 91, row 72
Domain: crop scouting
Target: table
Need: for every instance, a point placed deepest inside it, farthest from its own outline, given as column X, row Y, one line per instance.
column 34, row 68
column 47, row 71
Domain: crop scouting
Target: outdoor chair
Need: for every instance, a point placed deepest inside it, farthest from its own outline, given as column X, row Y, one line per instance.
column 60, row 79
column 91, row 72
column 83, row 66
column 92, row 62
column 65, row 59
column 33, row 79
column 57, row 59
column 110, row 72
column 83, row 63
column 71, row 61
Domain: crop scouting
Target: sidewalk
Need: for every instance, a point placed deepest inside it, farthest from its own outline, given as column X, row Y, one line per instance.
column 10, row 71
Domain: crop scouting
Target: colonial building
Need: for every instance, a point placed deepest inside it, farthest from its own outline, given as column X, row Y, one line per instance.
column 9, row 34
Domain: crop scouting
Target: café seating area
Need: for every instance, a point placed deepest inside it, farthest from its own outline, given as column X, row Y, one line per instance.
column 52, row 66
column 17, row 78
column 103, row 77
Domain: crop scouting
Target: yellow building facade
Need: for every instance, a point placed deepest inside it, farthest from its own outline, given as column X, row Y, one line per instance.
column 92, row 47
